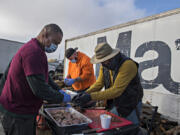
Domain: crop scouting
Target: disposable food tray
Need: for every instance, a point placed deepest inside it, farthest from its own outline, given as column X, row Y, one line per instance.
column 72, row 111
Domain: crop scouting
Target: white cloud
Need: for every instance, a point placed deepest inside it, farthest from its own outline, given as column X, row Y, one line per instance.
column 21, row 20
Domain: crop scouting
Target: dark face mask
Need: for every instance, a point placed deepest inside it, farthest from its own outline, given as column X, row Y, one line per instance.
column 111, row 65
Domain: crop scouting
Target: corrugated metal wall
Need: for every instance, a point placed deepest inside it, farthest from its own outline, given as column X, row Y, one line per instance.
column 7, row 50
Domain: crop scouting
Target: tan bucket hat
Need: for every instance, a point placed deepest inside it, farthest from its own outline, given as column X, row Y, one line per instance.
column 103, row 52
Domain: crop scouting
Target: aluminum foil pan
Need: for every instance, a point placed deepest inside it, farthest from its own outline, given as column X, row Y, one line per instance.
column 67, row 116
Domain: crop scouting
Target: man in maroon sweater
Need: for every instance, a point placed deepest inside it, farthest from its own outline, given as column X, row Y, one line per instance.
column 26, row 83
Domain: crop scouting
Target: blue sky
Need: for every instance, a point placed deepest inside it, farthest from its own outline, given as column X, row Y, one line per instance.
column 20, row 20
column 157, row 6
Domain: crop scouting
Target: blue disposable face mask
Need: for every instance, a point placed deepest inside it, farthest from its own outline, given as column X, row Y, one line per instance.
column 52, row 48
column 73, row 61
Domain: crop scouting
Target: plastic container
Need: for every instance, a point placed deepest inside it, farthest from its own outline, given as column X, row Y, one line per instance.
column 105, row 121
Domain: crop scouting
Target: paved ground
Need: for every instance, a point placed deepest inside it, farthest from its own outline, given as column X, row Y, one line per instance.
column 1, row 130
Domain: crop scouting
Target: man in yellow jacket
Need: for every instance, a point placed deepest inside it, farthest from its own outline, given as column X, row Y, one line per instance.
column 119, row 75
column 80, row 71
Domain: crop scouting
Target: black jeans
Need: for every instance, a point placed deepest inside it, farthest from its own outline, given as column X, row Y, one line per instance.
column 18, row 126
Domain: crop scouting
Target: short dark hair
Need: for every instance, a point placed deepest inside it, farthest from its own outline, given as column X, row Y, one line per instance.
column 70, row 52
column 53, row 28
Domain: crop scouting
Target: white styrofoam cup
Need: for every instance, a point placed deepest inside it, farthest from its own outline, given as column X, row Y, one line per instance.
column 105, row 121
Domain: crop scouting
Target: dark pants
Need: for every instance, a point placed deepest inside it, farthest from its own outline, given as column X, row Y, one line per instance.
column 18, row 126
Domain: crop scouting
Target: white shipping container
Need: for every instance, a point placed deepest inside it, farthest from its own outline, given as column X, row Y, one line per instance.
column 154, row 42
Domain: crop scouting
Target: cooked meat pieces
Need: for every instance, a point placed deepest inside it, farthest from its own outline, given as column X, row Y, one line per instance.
column 65, row 118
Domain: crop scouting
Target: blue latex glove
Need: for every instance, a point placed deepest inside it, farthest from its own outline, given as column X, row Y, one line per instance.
column 69, row 82
column 68, row 105
column 67, row 98
column 65, row 80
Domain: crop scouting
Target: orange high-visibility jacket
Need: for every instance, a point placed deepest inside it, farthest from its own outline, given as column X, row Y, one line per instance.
column 83, row 69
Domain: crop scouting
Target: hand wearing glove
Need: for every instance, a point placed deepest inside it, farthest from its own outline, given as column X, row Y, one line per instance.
column 66, row 80
column 67, row 98
column 69, row 82
column 82, row 99
column 76, row 98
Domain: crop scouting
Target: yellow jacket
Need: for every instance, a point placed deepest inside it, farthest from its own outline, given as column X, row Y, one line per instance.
column 127, row 72
column 83, row 69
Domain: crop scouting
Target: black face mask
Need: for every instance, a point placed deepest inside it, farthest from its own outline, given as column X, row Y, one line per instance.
column 111, row 64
